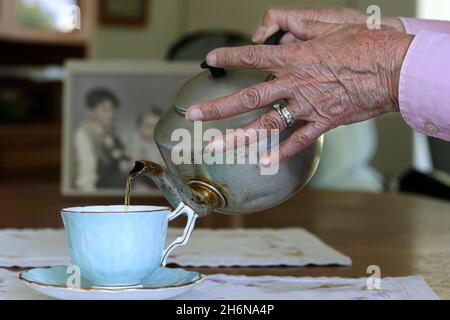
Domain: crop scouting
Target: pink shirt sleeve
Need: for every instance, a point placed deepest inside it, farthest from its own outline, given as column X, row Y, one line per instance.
column 424, row 92
column 414, row 26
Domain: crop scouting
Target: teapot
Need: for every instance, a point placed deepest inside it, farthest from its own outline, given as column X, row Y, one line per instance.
column 224, row 188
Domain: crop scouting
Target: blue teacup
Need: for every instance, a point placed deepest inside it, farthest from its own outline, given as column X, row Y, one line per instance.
column 115, row 247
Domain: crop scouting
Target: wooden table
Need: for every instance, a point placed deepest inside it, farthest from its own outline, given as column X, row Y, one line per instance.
column 403, row 234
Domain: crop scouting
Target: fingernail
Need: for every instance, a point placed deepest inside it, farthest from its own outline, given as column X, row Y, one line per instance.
column 265, row 161
column 216, row 145
column 211, row 59
column 194, row 114
column 259, row 34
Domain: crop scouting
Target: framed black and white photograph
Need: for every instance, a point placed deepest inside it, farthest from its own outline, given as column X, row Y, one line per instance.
column 110, row 112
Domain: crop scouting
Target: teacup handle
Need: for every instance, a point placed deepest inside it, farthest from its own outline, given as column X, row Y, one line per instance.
column 182, row 240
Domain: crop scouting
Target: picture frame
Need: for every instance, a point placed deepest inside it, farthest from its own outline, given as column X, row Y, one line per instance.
column 127, row 13
column 109, row 113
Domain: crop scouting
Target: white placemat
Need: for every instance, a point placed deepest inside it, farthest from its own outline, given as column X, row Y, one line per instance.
column 209, row 248
column 225, row 287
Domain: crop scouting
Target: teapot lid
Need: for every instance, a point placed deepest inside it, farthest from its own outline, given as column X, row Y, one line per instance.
column 216, row 83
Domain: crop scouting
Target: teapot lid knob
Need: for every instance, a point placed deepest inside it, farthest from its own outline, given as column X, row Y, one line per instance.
column 215, row 72
column 220, row 72
column 275, row 39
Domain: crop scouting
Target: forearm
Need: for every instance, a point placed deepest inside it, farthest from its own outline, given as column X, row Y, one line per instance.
column 424, row 90
column 414, row 26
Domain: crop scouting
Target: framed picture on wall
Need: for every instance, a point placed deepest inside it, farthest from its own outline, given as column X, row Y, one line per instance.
column 110, row 112
column 131, row 13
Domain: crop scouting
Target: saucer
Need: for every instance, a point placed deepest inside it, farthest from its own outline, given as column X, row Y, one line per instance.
column 163, row 283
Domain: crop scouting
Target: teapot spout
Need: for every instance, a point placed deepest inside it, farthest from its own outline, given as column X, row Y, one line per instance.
column 199, row 198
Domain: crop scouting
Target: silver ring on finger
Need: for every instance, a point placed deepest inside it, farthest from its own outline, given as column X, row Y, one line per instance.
column 285, row 115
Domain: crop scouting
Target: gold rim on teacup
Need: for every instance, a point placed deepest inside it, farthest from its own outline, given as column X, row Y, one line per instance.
column 124, row 211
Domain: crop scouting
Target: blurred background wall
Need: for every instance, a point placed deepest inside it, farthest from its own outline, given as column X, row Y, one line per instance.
column 150, row 41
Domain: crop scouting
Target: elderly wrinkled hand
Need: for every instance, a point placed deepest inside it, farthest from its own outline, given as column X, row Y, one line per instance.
column 339, row 75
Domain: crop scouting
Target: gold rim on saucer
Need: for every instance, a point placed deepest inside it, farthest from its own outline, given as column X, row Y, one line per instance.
column 200, row 279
